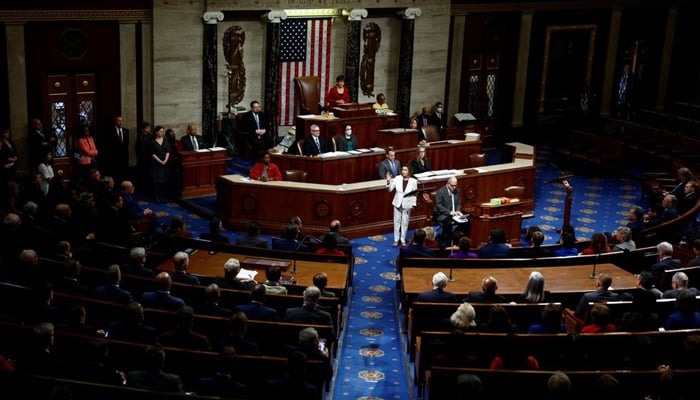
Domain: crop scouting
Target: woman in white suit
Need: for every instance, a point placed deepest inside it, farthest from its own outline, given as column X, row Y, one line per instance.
column 404, row 200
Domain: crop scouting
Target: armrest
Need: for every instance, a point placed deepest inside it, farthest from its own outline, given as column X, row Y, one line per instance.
column 572, row 322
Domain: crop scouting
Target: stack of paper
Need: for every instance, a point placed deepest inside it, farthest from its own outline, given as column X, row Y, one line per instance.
column 247, row 274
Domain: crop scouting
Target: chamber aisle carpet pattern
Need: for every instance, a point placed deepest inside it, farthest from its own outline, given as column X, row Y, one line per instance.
column 371, row 362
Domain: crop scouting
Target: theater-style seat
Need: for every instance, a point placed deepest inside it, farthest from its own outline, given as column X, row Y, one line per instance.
column 308, row 94
column 295, row 175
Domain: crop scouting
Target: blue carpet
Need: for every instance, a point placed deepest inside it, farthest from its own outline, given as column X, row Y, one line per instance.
column 371, row 362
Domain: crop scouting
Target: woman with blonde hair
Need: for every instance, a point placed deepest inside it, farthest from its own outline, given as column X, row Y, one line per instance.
column 464, row 318
column 421, row 162
column 534, row 290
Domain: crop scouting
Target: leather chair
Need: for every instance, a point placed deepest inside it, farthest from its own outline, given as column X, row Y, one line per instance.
column 432, row 134
column 300, row 147
column 308, row 90
column 477, row 160
column 514, row 192
column 295, row 175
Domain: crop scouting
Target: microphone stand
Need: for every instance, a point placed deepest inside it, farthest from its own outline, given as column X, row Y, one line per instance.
column 294, row 260
column 452, row 261
column 595, row 261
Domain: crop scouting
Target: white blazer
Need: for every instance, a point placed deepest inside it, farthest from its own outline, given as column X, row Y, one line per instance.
column 401, row 201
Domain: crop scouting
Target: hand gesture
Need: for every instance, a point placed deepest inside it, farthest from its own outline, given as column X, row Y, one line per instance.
column 388, row 176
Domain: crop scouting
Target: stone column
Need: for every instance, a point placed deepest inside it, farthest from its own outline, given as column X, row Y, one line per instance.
column 521, row 69
column 352, row 51
column 666, row 53
column 403, row 89
column 17, row 90
column 610, row 62
column 127, row 72
column 272, row 71
column 209, row 64
column 455, row 77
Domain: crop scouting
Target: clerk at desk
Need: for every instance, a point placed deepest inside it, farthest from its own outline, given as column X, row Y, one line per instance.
column 314, row 144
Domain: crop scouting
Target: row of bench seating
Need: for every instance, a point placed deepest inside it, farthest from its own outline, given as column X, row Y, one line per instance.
column 586, row 151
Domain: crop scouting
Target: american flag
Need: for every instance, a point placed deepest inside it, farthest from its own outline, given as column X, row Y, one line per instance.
column 305, row 50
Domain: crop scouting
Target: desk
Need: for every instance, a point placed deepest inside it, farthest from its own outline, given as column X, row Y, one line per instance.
column 203, row 263
column 488, row 216
column 400, row 138
column 349, row 168
column 562, row 279
column 363, row 208
column 200, row 169
column 364, row 127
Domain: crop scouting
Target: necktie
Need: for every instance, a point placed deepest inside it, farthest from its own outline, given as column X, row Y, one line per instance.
column 425, row 121
column 257, row 121
column 195, row 145
column 121, row 138
column 265, row 171
column 393, row 168
column 318, row 145
column 452, row 197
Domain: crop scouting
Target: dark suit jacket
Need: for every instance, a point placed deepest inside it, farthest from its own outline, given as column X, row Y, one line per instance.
column 254, row 241
column 416, row 250
column 342, row 142
column 187, row 142
column 494, row 250
column 257, row 311
column 258, row 143
column 308, row 315
column 114, row 294
column 443, row 204
column 114, row 152
column 385, row 167
column 598, row 295
column 284, row 244
column 184, row 277
column 338, row 238
column 661, row 266
column 132, row 333
column 437, row 296
column 161, row 300
column 310, row 148
column 481, row 297
column 154, row 380
column 212, row 309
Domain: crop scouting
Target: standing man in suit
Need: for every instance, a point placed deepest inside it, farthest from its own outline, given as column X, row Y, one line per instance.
column 404, row 188
column 438, row 294
column 425, row 118
column 192, row 141
column 389, row 165
column 314, row 144
column 254, row 124
column 115, row 150
column 439, row 118
column 447, row 205
column 40, row 143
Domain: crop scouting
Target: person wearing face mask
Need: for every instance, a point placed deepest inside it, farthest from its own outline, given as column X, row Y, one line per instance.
column 439, row 118
column 347, row 141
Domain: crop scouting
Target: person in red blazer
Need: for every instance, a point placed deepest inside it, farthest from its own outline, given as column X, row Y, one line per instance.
column 265, row 170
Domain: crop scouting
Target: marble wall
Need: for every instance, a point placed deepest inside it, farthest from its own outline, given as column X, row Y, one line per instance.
column 177, row 53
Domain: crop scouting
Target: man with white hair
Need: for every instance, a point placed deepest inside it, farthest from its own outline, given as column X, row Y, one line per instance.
column 679, row 282
column 180, row 262
column 666, row 261
column 309, row 313
column 231, row 280
column 438, row 294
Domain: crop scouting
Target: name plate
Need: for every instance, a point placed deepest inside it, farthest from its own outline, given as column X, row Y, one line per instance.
column 252, row 262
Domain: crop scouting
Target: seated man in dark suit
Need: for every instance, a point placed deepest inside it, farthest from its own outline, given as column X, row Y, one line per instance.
column 314, row 144
column 489, row 285
column 256, row 309
column 224, row 383
column 679, row 281
column 230, row 280
column 447, row 206
column 152, row 376
column 180, row 263
column 111, row 291
column 334, row 230
column 536, row 251
column 131, row 206
column 497, row 247
column 161, row 298
column 252, row 237
column 131, row 327
column 602, row 293
column 215, row 229
column 311, row 345
column 666, row 261
column 211, row 306
column 309, row 312
column 289, row 240
column 438, row 294
column 137, row 263
column 417, row 249
column 183, row 336
column 192, row 141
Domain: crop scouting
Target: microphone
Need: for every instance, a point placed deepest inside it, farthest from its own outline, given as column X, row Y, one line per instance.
column 452, row 261
column 294, row 260
column 595, row 260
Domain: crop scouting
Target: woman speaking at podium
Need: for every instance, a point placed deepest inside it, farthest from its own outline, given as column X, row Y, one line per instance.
column 404, row 200
column 338, row 94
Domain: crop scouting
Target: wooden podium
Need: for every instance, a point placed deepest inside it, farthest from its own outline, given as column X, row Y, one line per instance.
column 200, row 169
column 487, row 216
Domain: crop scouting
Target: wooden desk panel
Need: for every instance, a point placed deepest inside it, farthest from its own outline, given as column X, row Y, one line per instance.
column 513, row 280
column 204, row 263
column 399, row 138
column 199, row 171
column 364, row 127
column 363, row 167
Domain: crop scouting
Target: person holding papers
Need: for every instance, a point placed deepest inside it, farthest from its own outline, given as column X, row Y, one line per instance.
column 265, row 170
column 404, row 200
column 421, row 163
column 447, row 208
column 348, row 141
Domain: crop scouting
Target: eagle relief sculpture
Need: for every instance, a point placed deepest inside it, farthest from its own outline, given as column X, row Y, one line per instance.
column 372, row 36
column 234, row 38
